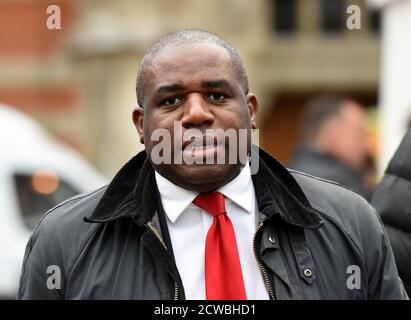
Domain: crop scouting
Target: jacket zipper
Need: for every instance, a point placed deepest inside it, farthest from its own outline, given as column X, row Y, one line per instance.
column 176, row 291
column 158, row 236
column 267, row 281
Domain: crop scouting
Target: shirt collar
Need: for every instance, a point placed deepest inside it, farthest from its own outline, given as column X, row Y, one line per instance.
column 176, row 199
column 240, row 190
column 279, row 191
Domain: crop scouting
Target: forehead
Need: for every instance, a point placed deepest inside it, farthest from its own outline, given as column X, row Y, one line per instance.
column 189, row 64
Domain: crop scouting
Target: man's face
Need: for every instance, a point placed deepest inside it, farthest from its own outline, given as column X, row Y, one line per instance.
column 350, row 135
column 195, row 86
column 354, row 141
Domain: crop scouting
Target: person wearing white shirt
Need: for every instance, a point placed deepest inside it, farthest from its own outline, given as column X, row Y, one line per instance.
column 188, row 226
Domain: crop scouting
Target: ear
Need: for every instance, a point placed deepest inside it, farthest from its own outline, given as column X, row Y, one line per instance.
column 138, row 120
column 252, row 104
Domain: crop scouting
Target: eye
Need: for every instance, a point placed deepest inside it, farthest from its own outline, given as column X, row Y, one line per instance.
column 217, row 96
column 172, row 101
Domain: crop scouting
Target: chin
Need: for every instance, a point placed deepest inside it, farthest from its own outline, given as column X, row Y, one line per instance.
column 203, row 177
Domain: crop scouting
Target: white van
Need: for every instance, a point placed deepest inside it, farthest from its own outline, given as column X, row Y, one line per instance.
column 36, row 173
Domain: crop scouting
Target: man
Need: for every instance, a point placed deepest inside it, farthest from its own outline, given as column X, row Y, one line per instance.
column 178, row 230
column 392, row 201
column 335, row 143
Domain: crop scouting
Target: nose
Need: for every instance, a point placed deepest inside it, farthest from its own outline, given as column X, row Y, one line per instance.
column 196, row 112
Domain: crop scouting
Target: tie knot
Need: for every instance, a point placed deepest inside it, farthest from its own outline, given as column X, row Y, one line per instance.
column 212, row 202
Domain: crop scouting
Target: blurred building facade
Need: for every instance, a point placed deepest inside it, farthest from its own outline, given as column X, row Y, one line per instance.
column 79, row 80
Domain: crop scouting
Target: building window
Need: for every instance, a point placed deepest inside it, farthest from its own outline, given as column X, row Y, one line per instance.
column 333, row 16
column 284, row 12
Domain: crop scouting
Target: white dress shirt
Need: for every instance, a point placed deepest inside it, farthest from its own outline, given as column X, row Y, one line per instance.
column 188, row 226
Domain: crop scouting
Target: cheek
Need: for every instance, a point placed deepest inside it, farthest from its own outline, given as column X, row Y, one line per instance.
column 158, row 131
column 237, row 117
column 244, row 122
column 150, row 128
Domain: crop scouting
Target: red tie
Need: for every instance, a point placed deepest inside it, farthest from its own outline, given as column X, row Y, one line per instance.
column 223, row 276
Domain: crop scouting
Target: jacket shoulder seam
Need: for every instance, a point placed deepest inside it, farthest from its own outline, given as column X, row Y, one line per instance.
column 77, row 197
column 324, row 180
column 80, row 196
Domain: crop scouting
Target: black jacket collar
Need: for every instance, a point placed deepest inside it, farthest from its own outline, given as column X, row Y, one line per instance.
column 132, row 193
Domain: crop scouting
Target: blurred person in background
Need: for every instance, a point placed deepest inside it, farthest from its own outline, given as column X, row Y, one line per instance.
column 392, row 200
column 335, row 143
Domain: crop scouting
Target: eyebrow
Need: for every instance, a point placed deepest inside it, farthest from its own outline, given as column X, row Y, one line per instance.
column 169, row 88
column 214, row 84
column 211, row 84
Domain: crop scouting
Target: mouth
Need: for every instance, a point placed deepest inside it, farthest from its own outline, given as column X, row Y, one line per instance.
column 201, row 147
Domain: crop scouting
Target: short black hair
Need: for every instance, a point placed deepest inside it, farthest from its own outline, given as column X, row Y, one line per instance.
column 319, row 111
column 184, row 37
